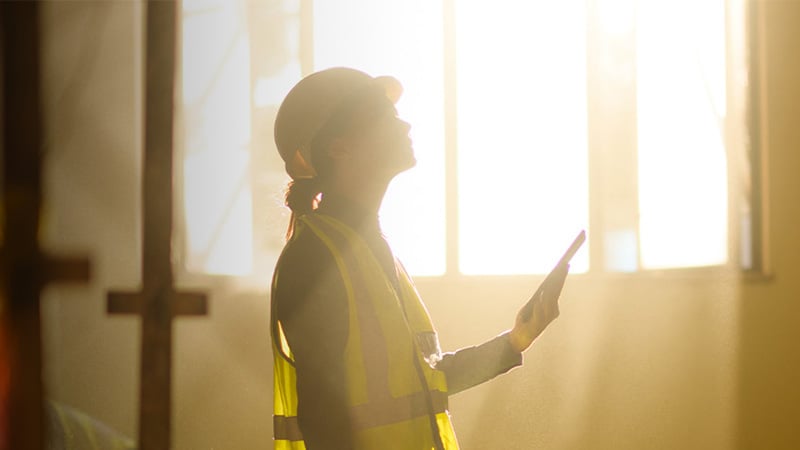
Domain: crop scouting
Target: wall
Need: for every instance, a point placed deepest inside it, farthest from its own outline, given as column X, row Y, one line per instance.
column 92, row 87
column 693, row 361
column 768, row 410
column 633, row 362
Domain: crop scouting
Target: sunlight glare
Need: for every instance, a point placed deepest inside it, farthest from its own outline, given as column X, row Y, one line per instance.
column 217, row 129
column 219, row 210
column 681, row 109
column 522, row 139
column 616, row 16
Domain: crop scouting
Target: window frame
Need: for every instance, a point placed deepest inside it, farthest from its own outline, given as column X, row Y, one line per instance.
column 748, row 143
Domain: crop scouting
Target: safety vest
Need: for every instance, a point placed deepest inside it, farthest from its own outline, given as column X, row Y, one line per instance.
column 396, row 399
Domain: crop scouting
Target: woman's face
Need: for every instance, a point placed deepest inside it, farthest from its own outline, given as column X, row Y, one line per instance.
column 378, row 140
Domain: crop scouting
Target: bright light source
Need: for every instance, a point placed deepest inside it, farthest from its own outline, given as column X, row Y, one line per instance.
column 216, row 137
column 683, row 198
column 522, row 139
column 616, row 16
column 218, row 209
column 271, row 91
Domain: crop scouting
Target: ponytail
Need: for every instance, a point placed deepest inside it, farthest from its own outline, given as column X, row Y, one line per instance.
column 302, row 196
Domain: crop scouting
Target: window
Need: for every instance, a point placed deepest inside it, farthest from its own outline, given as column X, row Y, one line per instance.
column 681, row 111
column 522, row 149
column 530, row 121
column 216, row 96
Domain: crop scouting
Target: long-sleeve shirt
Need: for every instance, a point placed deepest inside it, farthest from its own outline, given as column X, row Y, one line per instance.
column 313, row 310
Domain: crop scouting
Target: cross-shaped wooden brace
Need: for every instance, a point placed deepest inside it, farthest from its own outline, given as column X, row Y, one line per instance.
column 24, row 269
column 23, row 274
column 157, row 303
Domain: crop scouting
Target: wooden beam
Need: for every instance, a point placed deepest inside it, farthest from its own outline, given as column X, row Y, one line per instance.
column 157, row 302
column 23, row 268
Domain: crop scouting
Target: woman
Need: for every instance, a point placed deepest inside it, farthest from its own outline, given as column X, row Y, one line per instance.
column 357, row 360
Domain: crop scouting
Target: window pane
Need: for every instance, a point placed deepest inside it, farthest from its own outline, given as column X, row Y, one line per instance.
column 523, row 192
column 402, row 39
column 274, row 34
column 217, row 131
column 681, row 114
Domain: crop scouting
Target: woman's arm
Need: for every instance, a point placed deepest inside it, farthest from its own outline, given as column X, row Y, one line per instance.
column 312, row 308
column 474, row 365
column 471, row 366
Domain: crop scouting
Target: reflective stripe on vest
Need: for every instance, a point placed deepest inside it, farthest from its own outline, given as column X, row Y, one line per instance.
column 384, row 389
column 371, row 415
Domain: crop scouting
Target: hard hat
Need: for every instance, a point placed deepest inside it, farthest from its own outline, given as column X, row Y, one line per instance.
column 309, row 105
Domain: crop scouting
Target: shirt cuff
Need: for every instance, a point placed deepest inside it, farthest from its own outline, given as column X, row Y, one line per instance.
column 510, row 358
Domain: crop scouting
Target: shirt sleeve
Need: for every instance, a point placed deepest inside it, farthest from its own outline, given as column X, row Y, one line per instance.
column 472, row 366
column 312, row 308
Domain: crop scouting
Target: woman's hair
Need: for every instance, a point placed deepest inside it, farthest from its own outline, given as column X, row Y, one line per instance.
column 302, row 196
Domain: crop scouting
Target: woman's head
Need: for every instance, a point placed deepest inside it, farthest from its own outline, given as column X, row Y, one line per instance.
column 323, row 103
column 340, row 122
column 364, row 141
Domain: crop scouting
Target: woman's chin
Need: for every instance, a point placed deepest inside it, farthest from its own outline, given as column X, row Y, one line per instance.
column 409, row 163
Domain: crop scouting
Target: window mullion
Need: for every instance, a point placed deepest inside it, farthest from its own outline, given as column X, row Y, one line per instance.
column 450, row 139
column 755, row 243
column 613, row 164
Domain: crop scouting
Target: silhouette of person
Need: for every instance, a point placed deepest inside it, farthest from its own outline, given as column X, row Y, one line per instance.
column 356, row 357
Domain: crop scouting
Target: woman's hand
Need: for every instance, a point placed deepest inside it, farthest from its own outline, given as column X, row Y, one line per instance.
column 540, row 310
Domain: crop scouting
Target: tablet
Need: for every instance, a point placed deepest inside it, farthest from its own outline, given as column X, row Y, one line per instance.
column 573, row 248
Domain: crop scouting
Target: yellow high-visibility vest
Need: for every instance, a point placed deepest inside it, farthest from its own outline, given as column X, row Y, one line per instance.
column 396, row 399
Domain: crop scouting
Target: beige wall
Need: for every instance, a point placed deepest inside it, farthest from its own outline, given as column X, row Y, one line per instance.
column 670, row 361
column 633, row 362
column 91, row 85
column 768, row 408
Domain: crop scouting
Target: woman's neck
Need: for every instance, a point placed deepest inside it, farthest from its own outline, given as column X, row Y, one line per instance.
column 357, row 211
column 365, row 195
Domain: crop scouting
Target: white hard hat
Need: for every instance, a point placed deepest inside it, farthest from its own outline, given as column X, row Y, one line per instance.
column 309, row 106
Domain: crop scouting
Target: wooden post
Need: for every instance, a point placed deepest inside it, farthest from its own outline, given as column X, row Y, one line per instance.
column 157, row 303
column 24, row 270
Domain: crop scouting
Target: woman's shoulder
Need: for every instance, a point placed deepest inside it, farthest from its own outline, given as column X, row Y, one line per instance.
column 304, row 251
column 306, row 273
